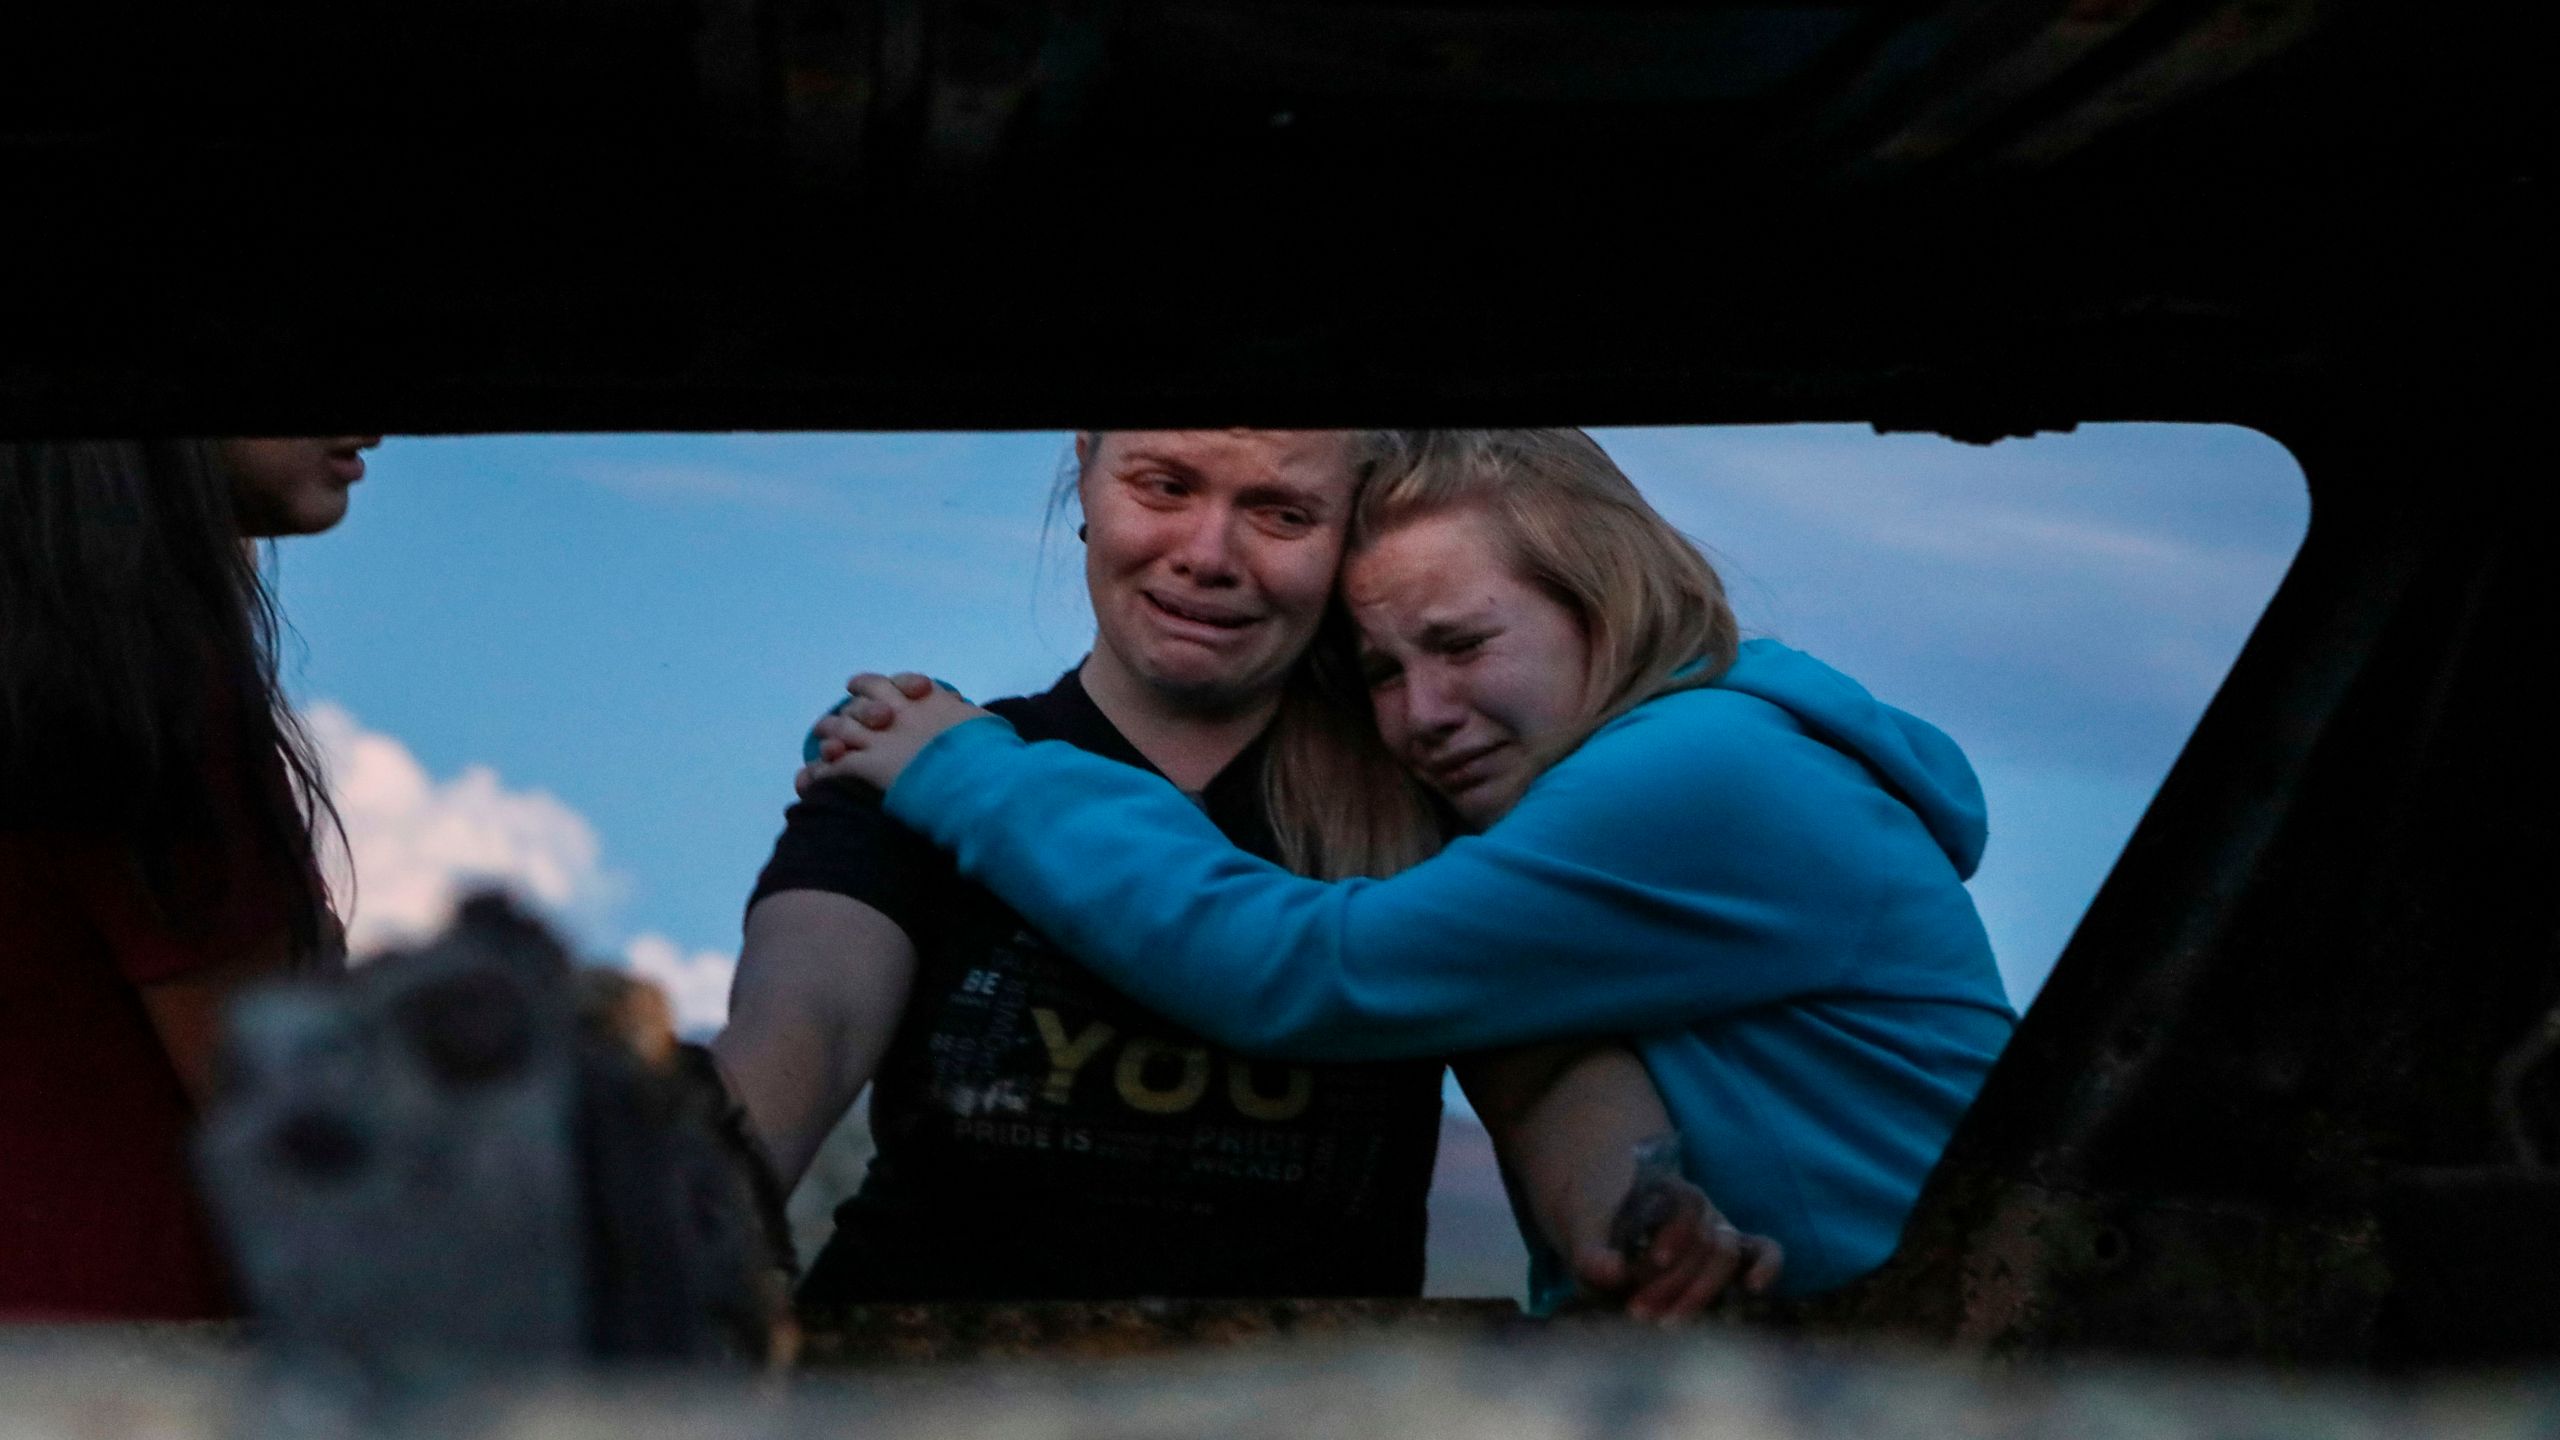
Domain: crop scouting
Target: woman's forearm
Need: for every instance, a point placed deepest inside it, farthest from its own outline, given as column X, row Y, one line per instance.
column 1592, row 1153
column 1568, row 1119
column 821, row 983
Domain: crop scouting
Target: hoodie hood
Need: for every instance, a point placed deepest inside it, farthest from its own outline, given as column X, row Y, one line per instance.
column 1915, row 759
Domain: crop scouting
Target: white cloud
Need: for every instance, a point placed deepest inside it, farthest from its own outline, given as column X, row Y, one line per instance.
column 419, row 844
column 697, row 985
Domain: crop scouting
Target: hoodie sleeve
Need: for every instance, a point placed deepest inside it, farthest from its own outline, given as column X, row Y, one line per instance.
column 1645, row 881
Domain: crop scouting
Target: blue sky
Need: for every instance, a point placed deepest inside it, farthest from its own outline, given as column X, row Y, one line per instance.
column 585, row 662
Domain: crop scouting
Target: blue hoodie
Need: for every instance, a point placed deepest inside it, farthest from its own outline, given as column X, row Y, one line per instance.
column 1760, row 881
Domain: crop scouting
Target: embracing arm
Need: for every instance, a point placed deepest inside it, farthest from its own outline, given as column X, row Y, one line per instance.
column 1596, row 907
column 1574, row 1122
column 821, row 982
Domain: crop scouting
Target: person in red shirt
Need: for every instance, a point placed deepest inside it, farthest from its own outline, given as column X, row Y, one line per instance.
column 157, row 812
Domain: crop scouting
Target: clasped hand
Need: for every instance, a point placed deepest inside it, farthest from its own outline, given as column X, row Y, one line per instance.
column 1671, row 1254
column 873, row 736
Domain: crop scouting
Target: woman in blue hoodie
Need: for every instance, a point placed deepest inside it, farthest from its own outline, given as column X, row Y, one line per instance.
column 1729, row 853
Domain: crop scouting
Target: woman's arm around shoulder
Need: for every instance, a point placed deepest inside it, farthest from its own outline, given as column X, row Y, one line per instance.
column 1606, row 901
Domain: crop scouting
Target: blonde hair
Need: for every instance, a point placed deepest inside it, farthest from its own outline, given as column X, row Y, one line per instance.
column 1651, row 607
column 1340, row 803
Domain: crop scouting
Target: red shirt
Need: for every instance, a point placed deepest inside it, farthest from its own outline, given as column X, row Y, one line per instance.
column 99, row 1217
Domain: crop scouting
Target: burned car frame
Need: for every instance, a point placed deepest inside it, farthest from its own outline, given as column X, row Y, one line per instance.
column 2287, row 1094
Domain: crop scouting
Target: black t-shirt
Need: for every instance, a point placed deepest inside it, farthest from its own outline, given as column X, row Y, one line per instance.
column 1042, row 1136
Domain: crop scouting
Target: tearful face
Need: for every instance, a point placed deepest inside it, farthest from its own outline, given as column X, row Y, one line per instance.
column 1210, row 556
column 1472, row 670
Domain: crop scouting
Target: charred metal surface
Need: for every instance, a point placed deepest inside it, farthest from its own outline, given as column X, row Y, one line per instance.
column 1615, row 1383
column 2258, row 1108
column 458, row 1159
column 2280, row 1098
column 713, row 214
column 869, row 1335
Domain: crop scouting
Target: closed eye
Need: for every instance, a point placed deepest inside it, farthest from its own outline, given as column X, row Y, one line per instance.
column 1462, row 647
column 1155, row 487
column 1287, row 520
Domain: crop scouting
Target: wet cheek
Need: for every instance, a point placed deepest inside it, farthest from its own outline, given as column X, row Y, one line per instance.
column 1390, row 721
column 1120, row 563
column 1123, row 534
column 1555, row 710
column 1301, row 587
column 1527, row 704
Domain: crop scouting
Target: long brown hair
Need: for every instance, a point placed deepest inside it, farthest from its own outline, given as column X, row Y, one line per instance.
column 1651, row 607
column 138, row 663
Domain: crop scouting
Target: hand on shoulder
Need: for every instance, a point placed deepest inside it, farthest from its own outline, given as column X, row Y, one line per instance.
column 872, row 737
